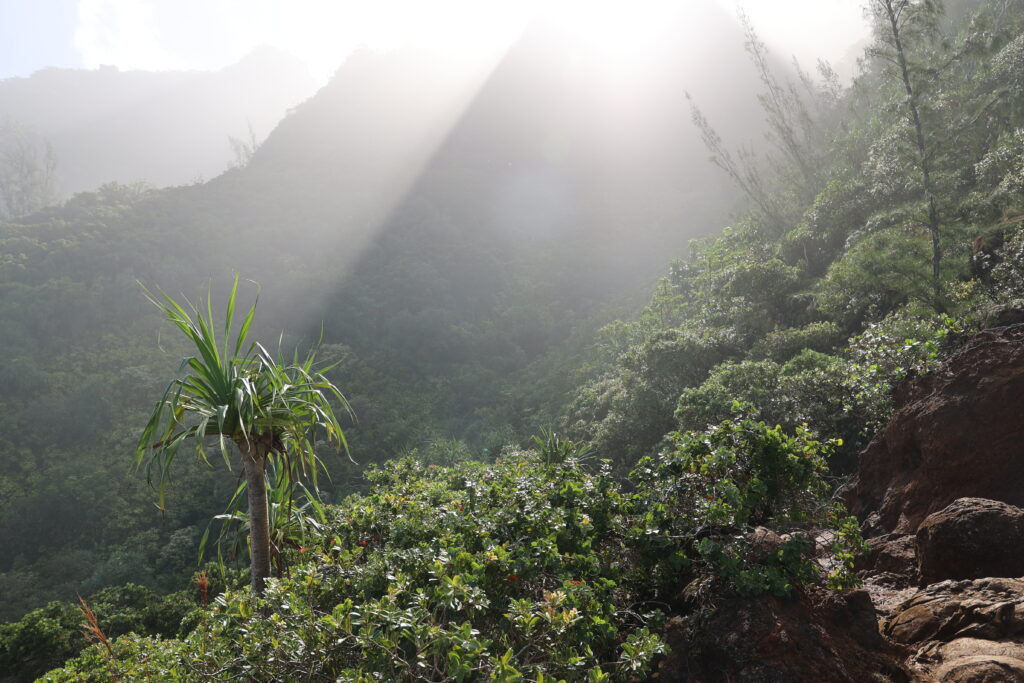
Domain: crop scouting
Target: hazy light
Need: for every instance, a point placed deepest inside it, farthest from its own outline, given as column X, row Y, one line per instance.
column 146, row 34
column 626, row 37
column 806, row 29
column 209, row 34
column 120, row 31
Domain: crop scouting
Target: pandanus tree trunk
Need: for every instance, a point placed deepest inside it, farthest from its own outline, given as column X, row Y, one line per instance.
column 254, row 459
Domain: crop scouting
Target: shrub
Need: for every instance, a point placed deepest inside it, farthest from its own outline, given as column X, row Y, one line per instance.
column 782, row 345
column 706, row 496
column 45, row 637
column 886, row 353
column 529, row 568
column 808, row 389
column 627, row 412
column 505, row 570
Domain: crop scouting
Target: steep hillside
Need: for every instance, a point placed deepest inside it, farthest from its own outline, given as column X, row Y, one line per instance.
column 456, row 234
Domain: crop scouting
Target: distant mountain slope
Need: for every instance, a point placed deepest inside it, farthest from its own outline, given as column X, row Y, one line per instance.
column 456, row 233
column 165, row 128
column 547, row 148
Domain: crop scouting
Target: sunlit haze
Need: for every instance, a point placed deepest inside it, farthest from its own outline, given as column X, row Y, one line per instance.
column 210, row 34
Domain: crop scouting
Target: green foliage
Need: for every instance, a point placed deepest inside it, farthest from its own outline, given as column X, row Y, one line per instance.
column 529, row 568
column 858, row 263
column 809, row 311
column 782, row 345
column 847, row 396
column 238, row 393
column 444, row 452
column 1001, row 171
column 627, row 411
column 1007, row 273
column 46, row 637
column 442, row 573
column 708, row 494
column 134, row 657
column 439, row 331
column 555, row 450
column 808, row 389
column 269, row 410
column 294, row 513
column 889, row 351
column 28, row 170
column 878, row 274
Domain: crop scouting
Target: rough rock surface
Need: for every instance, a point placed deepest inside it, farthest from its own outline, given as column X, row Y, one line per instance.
column 937, row 490
column 963, row 630
column 817, row 635
column 889, row 570
column 891, row 554
column 956, row 433
column 971, row 538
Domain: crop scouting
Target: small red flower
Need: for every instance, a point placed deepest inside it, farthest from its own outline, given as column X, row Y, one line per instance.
column 460, row 508
column 573, row 582
column 364, row 543
column 301, row 549
column 513, row 577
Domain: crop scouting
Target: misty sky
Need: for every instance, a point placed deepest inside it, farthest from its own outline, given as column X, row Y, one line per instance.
column 210, row 34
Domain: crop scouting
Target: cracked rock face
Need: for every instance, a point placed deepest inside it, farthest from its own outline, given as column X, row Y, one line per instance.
column 963, row 630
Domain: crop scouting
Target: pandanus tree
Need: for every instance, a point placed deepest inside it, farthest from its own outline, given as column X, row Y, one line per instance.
column 234, row 391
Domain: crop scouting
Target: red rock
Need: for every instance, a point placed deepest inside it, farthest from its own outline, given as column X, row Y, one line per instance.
column 956, row 433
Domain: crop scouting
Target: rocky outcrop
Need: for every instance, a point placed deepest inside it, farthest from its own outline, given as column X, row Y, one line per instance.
column 937, row 492
column 816, row 635
column 970, row 539
column 963, row 630
column 956, row 433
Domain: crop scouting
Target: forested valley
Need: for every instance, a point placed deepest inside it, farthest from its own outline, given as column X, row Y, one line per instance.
column 582, row 365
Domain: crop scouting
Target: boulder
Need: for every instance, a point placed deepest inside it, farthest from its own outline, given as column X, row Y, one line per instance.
column 893, row 554
column 987, row 608
column 956, row 433
column 816, row 635
column 971, row 538
column 971, row 660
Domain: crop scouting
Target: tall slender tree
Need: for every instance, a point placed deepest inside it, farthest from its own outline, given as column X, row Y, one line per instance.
column 796, row 114
column 898, row 24
column 237, row 392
